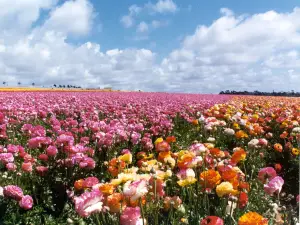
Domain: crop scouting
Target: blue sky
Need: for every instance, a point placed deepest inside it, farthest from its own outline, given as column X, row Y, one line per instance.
column 154, row 45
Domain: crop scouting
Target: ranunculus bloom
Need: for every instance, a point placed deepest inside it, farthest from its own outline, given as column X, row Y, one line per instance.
column 212, row 220
column 51, row 150
column 252, row 218
column 41, row 170
column 162, row 147
column 225, row 188
column 11, row 166
column 131, row 216
column 90, row 182
column 12, row 191
column 175, row 200
column 210, row 179
column 115, row 202
column 26, row 202
column 27, row 167
column 266, row 173
column 238, row 155
column 274, row 185
column 89, row 203
column 136, row 189
column 243, row 200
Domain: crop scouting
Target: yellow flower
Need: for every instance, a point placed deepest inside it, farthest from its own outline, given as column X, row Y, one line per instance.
column 185, row 182
column 225, row 188
column 158, row 140
column 295, row 151
column 126, row 158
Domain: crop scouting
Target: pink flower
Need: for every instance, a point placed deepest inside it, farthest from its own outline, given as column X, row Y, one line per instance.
column 266, row 173
column 274, row 186
column 26, row 202
column 162, row 147
column 27, row 167
column 51, row 151
column 90, row 182
column 89, row 203
column 11, row 166
column 43, row 157
column 12, row 191
column 212, row 220
column 297, row 198
column 41, row 170
column 131, row 216
column 136, row 189
column 6, row 158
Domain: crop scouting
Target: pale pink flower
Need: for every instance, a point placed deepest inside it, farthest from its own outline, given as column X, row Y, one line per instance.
column 266, row 173
column 12, row 191
column 26, row 202
column 274, row 186
column 131, row 216
column 136, row 189
column 6, row 158
column 89, row 203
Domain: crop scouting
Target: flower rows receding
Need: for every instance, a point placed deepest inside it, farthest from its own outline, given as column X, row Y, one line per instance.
column 98, row 158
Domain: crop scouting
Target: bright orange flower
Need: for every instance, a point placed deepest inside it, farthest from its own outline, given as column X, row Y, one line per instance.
column 278, row 167
column 238, row 155
column 107, row 188
column 210, row 178
column 185, row 159
column 231, row 176
column 278, row 147
column 195, row 122
column 244, row 185
column 115, row 166
column 115, row 202
column 163, row 155
column 252, row 218
column 79, row 184
column 241, row 134
column 171, row 139
column 216, row 152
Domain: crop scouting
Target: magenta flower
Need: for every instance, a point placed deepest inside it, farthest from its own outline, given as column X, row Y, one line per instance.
column 51, row 151
column 131, row 216
column 274, row 185
column 6, row 158
column 26, row 202
column 267, row 173
column 89, row 203
column 12, row 191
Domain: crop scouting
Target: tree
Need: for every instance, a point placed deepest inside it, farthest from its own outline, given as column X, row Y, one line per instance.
column 4, row 82
column 33, row 84
column 54, row 85
column 19, row 83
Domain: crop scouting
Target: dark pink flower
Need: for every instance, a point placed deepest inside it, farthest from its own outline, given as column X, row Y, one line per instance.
column 266, row 173
column 131, row 216
column 12, row 191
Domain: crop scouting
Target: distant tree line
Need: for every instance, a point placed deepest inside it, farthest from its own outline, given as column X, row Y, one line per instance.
column 291, row 93
column 65, row 86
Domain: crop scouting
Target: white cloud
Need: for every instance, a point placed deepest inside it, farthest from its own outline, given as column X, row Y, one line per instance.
column 260, row 51
column 73, row 17
column 164, row 6
column 127, row 21
column 142, row 27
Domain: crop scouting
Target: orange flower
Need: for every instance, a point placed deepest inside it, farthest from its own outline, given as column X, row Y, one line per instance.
column 244, row 185
column 210, row 178
column 115, row 166
column 231, row 176
column 284, row 135
column 252, row 218
column 171, row 139
column 163, row 155
column 278, row 147
column 238, row 155
column 79, row 184
column 195, row 122
column 216, row 152
column 278, row 167
column 185, row 159
column 241, row 134
column 107, row 188
column 295, row 151
column 115, row 202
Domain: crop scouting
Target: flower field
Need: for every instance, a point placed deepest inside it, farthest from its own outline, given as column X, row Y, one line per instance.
column 148, row 159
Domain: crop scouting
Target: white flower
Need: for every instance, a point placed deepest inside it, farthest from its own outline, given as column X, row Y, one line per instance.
column 253, row 143
column 211, row 139
column 229, row 131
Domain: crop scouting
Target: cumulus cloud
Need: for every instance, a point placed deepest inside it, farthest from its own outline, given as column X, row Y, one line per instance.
column 74, row 17
column 240, row 52
column 163, row 6
column 142, row 27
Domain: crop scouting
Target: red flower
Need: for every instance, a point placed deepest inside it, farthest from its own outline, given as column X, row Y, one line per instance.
column 243, row 200
column 278, row 167
column 212, row 220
